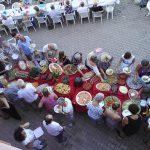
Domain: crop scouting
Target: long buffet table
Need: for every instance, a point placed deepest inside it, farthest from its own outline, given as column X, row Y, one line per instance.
column 73, row 90
column 18, row 13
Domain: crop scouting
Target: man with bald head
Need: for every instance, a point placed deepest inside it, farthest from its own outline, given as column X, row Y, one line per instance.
column 54, row 128
column 50, row 52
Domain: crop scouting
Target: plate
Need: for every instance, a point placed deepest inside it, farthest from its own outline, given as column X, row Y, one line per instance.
column 109, row 100
column 127, row 70
column 126, row 113
column 83, row 97
column 42, row 63
column 70, row 69
column 30, row 64
column 126, row 104
column 8, row 67
column 50, row 89
column 109, row 72
column 103, row 86
column 145, row 79
column 33, row 45
column 133, row 84
column 123, row 89
column 62, row 88
column 133, row 94
column 54, row 67
column 22, row 65
column 15, row 56
column 88, row 76
column 57, row 108
column 112, row 79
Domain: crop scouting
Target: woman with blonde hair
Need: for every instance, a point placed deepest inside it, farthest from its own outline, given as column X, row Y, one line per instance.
column 104, row 61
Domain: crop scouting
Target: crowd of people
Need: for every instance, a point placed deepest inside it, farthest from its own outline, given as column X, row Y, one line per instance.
column 25, row 96
column 50, row 15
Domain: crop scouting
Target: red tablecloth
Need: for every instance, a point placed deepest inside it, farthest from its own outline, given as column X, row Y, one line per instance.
column 74, row 90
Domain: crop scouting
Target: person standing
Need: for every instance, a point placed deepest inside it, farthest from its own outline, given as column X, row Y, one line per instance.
column 54, row 128
column 8, row 108
column 67, row 109
column 27, row 138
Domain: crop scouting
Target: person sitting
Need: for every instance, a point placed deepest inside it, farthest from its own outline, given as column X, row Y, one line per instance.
column 41, row 1
column 27, row 138
column 39, row 12
column 7, row 21
column 104, row 62
column 63, row 59
column 24, row 45
column 82, row 8
column 142, row 69
column 49, row 100
column 96, row 8
column 95, row 110
column 54, row 128
column 27, row 2
column 127, row 60
column 112, row 116
column 68, row 8
column 54, row 13
column 50, row 52
column 91, row 63
column 77, row 61
column 2, row 67
column 131, row 124
column 27, row 92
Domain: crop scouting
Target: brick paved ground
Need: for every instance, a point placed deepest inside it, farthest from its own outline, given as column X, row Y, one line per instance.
column 128, row 31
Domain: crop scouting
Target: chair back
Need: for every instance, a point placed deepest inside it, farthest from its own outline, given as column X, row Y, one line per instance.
column 27, row 23
column 97, row 14
column 84, row 14
column 69, row 16
column 11, row 26
column 16, row 5
column 2, row 7
column 148, row 5
column 40, row 19
column 110, row 8
column 56, row 19
column 1, row 27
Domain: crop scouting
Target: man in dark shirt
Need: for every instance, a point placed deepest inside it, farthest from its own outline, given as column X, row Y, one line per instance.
column 96, row 8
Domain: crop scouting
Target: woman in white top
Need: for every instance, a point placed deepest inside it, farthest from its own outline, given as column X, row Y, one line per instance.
column 91, row 62
column 27, row 138
column 127, row 60
column 95, row 110
column 67, row 109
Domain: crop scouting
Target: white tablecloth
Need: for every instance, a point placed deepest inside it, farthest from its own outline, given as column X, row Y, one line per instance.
column 17, row 14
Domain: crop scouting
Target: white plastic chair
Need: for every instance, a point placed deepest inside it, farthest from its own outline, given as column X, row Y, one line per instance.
column 16, row 5
column 12, row 27
column 70, row 17
column 3, row 29
column 110, row 10
column 2, row 7
column 57, row 20
column 148, row 7
column 84, row 15
column 41, row 20
column 28, row 24
column 98, row 14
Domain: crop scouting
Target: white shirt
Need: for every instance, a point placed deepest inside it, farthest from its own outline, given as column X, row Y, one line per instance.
column 68, row 108
column 8, row 21
column 29, row 136
column 45, row 48
column 94, row 112
column 94, row 68
column 82, row 9
column 54, row 13
column 53, row 128
column 28, row 93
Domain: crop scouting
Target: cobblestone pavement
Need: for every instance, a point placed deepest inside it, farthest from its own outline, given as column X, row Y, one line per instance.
column 128, row 31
